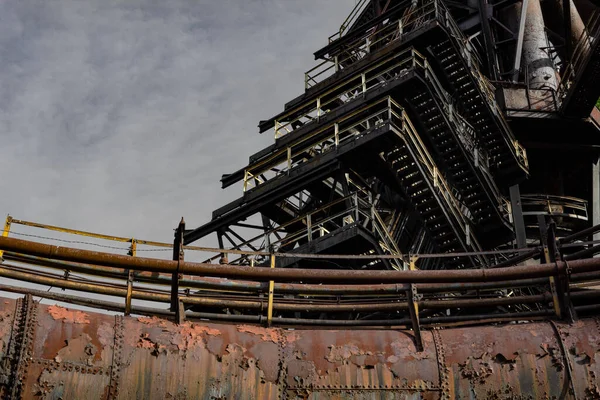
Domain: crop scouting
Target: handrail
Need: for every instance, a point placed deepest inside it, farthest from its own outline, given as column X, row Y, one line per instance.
column 577, row 208
column 399, row 62
column 580, row 53
column 434, row 176
column 354, row 14
column 437, row 10
column 385, row 116
column 345, row 91
column 363, row 45
column 285, row 156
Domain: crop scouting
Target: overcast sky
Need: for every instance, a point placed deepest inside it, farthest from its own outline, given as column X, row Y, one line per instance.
column 121, row 116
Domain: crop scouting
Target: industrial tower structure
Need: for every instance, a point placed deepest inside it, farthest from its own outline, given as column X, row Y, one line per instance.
column 437, row 141
column 429, row 126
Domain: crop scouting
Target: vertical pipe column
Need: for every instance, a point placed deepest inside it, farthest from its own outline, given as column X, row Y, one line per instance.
column 576, row 24
column 539, row 67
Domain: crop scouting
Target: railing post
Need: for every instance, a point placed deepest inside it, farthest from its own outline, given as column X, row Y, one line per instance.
column 318, row 108
column 548, row 258
column 289, row 159
column 271, row 292
column 400, row 28
column 309, row 227
column 364, row 83
column 468, row 234
column 6, row 231
column 337, row 64
column 176, row 304
column 306, row 81
column 132, row 253
column 336, row 128
column 413, row 305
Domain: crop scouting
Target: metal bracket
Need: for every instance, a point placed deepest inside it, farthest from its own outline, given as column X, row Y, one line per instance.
column 129, row 292
column 271, row 293
column 132, row 253
column 178, row 256
column 5, row 232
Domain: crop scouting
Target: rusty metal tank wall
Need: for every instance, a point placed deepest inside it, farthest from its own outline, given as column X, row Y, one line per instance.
column 49, row 352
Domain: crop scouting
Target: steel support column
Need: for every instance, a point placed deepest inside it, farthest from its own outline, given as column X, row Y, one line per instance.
column 517, row 214
column 596, row 196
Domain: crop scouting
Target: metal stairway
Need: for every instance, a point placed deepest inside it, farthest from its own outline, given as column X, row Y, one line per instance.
column 478, row 103
column 463, row 162
column 431, row 197
column 580, row 87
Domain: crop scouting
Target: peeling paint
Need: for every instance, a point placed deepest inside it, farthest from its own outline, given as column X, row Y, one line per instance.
column 67, row 315
column 267, row 334
column 80, row 349
column 156, row 358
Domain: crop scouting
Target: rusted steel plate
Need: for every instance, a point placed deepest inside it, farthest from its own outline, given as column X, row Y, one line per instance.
column 72, row 354
column 506, row 361
column 7, row 313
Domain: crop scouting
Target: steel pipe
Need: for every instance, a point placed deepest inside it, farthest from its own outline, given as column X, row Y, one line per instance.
column 285, row 288
column 305, row 275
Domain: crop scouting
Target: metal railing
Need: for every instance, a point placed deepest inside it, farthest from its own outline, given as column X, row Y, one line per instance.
column 350, row 20
column 330, row 137
column 383, row 73
column 392, row 31
column 348, row 90
column 581, row 53
column 404, row 128
column 218, row 290
column 297, row 153
column 558, row 206
column 372, row 40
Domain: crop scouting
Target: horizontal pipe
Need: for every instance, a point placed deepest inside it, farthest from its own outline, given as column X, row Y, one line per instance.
column 517, row 259
column 405, row 322
column 578, row 235
column 284, row 288
column 582, row 254
column 136, row 310
column 308, row 275
column 259, row 305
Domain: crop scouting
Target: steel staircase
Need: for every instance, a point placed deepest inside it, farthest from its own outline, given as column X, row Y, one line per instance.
column 463, row 162
column 481, row 112
column 432, row 197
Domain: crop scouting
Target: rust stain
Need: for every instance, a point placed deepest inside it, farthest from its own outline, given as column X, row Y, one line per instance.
column 66, row 315
column 267, row 334
column 342, row 354
column 152, row 321
column 190, row 335
column 81, row 350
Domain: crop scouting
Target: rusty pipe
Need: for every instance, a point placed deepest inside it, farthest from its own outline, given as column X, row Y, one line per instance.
column 257, row 304
column 308, row 275
column 286, row 288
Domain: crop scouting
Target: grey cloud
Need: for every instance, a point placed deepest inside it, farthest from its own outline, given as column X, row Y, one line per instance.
column 121, row 116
